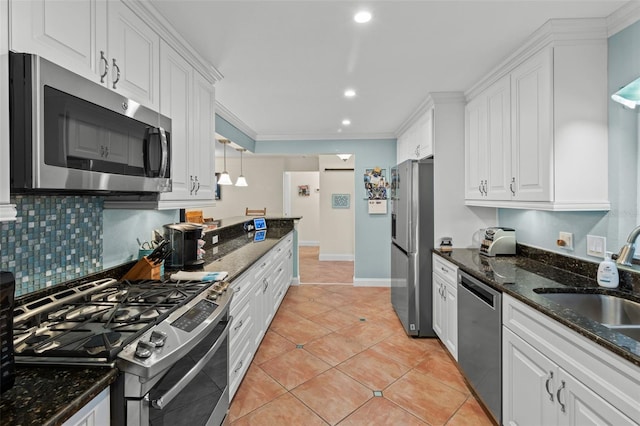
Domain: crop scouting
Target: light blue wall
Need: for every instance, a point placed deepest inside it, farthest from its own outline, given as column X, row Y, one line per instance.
column 541, row 229
column 373, row 237
column 229, row 131
column 123, row 227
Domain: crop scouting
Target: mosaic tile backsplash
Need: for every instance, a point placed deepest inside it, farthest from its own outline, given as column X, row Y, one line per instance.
column 54, row 239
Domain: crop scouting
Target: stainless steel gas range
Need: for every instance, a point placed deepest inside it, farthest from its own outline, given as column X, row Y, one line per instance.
column 168, row 339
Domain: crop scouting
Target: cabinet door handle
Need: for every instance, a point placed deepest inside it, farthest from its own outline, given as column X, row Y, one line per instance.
column 266, row 284
column 484, row 187
column 197, row 186
column 480, row 188
column 237, row 290
column 117, row 69
column 562, row 406
column 237, row 326
column 193, row 185
column 104, row 61
column 513, row 182
column 238, row 367
column 106, row 152
column 546, row 385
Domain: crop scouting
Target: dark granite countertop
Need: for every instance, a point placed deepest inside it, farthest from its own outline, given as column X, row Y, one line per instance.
column 50, row 395
column 519, row 276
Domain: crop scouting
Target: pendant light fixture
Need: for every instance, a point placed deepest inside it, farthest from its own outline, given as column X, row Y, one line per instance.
column 225, row 179
column 241, row 179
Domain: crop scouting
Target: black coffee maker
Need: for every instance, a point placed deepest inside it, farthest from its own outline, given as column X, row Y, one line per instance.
column 183, row 238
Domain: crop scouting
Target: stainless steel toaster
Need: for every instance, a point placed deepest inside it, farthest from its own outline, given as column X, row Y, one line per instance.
column 498, row 241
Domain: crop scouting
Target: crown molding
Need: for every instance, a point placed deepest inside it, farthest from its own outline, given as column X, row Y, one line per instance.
column 325, row 137
column 627, row 15
column 554, row 31
column 234, row 120
column 147, row 12
column 432, row 99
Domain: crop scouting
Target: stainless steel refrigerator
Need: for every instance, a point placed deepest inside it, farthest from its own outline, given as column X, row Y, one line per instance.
column 412, row 237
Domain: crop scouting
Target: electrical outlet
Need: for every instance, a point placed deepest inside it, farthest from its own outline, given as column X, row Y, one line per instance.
column 214, row 239
column 565, row 240
column 596, row 246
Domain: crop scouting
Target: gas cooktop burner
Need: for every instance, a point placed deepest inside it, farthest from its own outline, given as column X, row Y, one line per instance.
column 96, row 320
column 103, row 341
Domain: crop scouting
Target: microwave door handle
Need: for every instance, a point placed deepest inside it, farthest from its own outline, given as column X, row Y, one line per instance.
column 165, row 153
column 169, row 395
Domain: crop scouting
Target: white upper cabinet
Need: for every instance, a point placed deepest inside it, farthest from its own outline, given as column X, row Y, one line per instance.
column 536, row 128
column 416, row 142
column 103, row 41
column 176, row 102
column 203, row 143
column 7, row 210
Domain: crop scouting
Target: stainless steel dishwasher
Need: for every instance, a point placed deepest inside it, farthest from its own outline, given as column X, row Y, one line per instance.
column 480, row 340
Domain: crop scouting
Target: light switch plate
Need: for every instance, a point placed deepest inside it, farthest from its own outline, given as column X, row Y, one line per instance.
column 596, row 246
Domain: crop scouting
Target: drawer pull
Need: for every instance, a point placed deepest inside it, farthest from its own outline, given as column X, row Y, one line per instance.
column 562, row 406
column 238, row 367
column 237, row 326
column 546, row 385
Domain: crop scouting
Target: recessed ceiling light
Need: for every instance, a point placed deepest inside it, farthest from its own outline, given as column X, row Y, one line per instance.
column 362, row 17
column 349, row 93
column 346, row 122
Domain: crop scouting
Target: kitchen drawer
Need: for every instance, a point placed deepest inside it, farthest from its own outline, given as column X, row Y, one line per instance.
column 614, row 379
column 242, row 291
column 238, row 366
column 447, row 270
column 242, row 325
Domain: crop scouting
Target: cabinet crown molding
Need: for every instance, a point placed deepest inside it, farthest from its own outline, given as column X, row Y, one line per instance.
column 145, row 10
column 553, row 32
column 432, row 99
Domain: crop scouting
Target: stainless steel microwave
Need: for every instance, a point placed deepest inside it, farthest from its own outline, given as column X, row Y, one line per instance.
column 69, row 133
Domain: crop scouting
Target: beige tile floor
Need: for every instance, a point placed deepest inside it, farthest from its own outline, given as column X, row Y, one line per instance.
column 337, row 354
column 313, row 271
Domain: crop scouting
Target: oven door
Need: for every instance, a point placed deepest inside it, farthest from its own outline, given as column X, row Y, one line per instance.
column 192, row 392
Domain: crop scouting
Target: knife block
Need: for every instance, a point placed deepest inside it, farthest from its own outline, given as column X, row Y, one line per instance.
column 144, row 270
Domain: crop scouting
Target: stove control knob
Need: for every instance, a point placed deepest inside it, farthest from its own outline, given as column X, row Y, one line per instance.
column 158, row 338
column 212, row 295
column 224, row 285
column 144, row 349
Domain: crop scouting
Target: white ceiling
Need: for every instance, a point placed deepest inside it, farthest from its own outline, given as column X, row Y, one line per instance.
column 286, row 64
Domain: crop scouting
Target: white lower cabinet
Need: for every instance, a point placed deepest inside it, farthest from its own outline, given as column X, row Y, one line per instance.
column 257, row 296
column 553, row 376
column 96, row 413
column 445, row 303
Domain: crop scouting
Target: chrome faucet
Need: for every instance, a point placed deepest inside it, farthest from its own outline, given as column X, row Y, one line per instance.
column 628, row 250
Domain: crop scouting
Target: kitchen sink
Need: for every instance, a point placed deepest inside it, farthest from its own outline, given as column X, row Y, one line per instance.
column 632, row 331
column 609, row 310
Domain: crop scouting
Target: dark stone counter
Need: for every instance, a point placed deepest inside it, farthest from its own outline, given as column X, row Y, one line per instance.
column 49, row 395
column 519, row 276
column 45, row 396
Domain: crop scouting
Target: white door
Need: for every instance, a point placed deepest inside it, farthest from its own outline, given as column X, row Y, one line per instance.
column 175, row 102
column 528, row 384
column 64, row 32
column 475, row 148
column 498, row 150
column 532, row 128
column 203, row 148
column 580, row 406
column 451, row 318
column 438, row 306
column 134, row 56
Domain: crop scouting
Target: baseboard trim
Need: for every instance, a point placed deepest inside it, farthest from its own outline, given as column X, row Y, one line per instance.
column 309, row 243
column 295, row 281
column 371, row 282
column 336, row 257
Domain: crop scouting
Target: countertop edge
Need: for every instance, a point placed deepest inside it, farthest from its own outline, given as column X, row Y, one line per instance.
column 625, row 354
column 75, row 405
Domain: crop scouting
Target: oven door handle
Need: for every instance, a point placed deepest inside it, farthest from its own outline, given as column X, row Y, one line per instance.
column 168, row 396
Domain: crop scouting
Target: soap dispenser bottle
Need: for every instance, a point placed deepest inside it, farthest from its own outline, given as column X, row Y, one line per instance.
column 608, row 272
